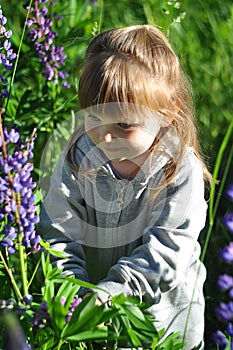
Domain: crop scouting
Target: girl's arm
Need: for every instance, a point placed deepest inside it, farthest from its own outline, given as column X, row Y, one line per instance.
column 169, row 243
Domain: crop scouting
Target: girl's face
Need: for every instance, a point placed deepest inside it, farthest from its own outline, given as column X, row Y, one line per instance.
column 121, row 140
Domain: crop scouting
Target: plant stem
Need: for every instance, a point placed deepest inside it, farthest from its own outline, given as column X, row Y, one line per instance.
column 101, row 15
column 23, row 267
column 9, row 272
column 227, row 167
column 17, row 56
column 4, row 150
column 60, row 344
column 34, row 272
column 148, row 13
column 212, row 210
column 213, row 206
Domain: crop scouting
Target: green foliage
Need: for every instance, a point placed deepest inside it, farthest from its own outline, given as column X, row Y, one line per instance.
column 201, row 34
column 121, row 320
column 203, row 40
column 34, row 103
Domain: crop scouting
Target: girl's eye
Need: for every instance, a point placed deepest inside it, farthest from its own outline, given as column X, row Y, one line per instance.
column 125, row 125
column 93, row 118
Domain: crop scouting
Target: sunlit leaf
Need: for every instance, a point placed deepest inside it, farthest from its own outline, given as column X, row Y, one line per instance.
column 85, row 284
column 86, row 315
column 95, row 334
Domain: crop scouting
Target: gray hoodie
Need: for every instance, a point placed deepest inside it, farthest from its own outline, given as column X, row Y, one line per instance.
column 121, row 239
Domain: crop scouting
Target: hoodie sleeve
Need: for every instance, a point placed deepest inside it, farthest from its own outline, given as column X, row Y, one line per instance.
column 62, row 220
column 169, row 245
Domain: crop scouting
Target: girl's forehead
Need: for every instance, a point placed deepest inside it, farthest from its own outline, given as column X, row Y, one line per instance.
column 124, row 112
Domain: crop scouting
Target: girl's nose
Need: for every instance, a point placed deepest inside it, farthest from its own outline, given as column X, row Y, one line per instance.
column 108, row 137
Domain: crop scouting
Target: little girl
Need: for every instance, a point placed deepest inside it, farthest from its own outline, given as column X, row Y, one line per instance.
column 126, row 199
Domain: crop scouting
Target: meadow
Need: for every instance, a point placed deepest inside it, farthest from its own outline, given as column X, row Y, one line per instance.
column 43, row 45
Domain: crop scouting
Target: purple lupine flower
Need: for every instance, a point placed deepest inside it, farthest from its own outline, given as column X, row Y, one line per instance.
column 40, row 316
column 227, row 253
column 7, row 55
column 7, row 304
column 229, row 192
column 16, row 193
column 93, row 2
column 225, row 282
column 230, row 329
column 63, row 300
column 27, row 299
column 225, row 311
column 227, row 220
column 57, row 17
column 51, row 56
column 76, row 301
column 219, row 338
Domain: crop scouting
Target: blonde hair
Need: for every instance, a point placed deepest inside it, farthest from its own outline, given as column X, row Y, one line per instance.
column 137, row 65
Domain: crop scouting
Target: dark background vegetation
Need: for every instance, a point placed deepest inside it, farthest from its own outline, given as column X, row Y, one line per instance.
column 201, row 34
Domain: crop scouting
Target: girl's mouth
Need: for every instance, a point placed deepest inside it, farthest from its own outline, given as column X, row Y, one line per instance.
column 112, row 149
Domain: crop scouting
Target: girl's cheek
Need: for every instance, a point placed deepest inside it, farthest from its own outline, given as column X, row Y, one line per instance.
column 93, row 134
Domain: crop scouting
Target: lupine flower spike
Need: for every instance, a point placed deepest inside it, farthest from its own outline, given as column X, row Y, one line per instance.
column 220, row 339
column 7, row 55
column 17, row 206
column 51, row 56
column 224, row 311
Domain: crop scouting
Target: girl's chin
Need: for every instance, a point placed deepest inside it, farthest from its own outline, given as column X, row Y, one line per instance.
column 123, row 154
column 137, row 159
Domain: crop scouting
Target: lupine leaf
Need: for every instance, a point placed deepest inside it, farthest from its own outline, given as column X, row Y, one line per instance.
column 101, row 333
column 119, row 299
column 108, row 314
column 146, row 336
column 2, row 268
column 43, row 263
column 86, row 315
column 54, row 273
column 133, row 338
column 58, row 313
column 58, row 253
column 172, row 342
column 59, row 310
column 48, row 292
column 66, row 289
column 123, row 319
column 133, row 312
column 85, row 284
